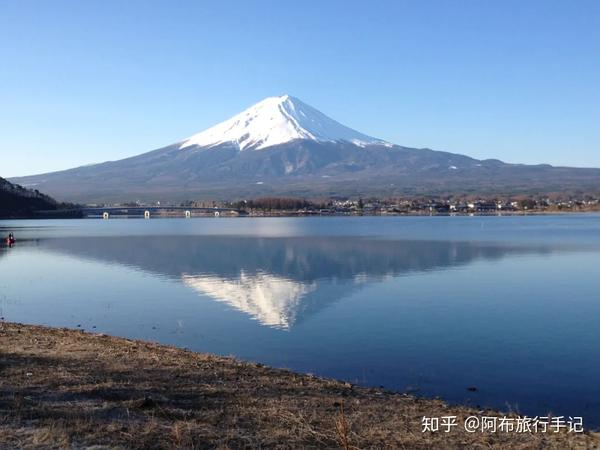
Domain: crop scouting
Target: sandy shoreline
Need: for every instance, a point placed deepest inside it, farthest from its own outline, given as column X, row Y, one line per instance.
column 63, row 388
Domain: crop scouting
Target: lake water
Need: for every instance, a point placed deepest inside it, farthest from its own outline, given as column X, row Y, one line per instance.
column 428, row 305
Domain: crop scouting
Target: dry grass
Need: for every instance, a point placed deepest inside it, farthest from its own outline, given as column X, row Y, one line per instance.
column 67, row 389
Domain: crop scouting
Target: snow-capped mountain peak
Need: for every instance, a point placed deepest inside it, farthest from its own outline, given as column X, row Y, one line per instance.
column 275, row 121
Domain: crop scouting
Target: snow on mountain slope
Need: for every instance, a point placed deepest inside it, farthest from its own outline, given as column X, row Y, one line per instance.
column 277, row 120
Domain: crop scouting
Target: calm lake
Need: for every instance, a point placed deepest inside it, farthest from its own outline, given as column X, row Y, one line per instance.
column 428, row 305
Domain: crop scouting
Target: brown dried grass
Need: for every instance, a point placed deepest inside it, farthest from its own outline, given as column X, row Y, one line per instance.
column 68, row 389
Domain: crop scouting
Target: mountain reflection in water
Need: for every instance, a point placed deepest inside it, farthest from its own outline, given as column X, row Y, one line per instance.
column 281, row 281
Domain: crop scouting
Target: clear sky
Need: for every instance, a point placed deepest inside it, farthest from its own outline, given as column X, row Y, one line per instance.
column 95, row 80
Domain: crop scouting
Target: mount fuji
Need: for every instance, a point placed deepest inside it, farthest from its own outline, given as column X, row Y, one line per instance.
column 277, row 121
column 282, row 146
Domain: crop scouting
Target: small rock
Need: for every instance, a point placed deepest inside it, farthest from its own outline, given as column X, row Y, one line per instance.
column 147, row 403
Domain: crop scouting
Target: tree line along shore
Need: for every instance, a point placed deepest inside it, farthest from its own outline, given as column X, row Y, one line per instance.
column 62, row 388
column 291, row 206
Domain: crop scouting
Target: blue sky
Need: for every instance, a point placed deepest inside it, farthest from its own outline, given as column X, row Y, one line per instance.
column 89, row 81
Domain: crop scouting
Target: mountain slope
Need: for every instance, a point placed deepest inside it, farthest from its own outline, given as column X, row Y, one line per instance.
column 281, row 146
column 16, row 201
column 276, row 121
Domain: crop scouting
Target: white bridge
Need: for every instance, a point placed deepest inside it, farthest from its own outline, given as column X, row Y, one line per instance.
column 149, row 211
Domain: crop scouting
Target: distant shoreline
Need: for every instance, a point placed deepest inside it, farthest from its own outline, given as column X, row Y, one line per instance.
column 63, row 387
column 302, row 215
